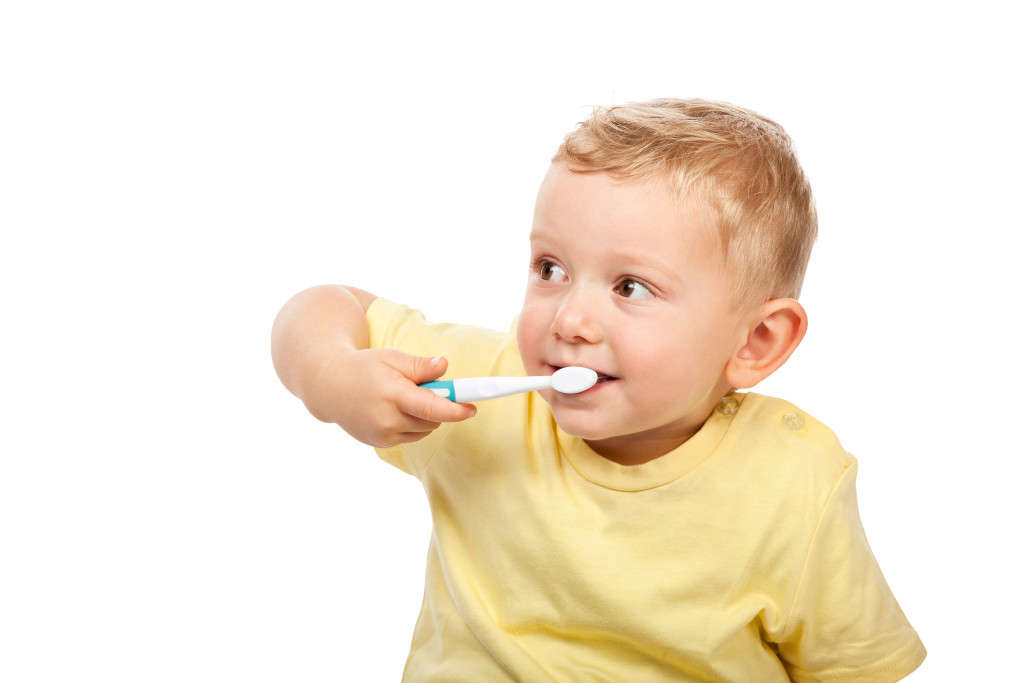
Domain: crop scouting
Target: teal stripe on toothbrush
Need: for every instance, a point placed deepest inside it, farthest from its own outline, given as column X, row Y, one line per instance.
column 442, row 384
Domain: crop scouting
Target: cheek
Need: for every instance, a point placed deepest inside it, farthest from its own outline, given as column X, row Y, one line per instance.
column 662, row 368
column 668, row 358
column 529, row 329
column 650, row 345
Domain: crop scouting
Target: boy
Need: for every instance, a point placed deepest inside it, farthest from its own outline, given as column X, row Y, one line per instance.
column 658, row 526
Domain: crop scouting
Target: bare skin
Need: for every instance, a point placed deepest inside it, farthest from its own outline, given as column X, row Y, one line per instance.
column 624, row 280
column 319, row 346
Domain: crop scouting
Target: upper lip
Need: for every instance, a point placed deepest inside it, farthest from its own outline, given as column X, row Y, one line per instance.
column 601, row 375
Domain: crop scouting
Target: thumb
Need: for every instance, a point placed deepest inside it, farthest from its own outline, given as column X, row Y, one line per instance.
column 427, row 369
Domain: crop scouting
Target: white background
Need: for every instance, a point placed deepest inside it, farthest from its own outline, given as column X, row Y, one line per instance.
column 171, row 172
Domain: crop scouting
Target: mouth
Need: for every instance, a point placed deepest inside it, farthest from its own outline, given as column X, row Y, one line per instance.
column 602, row 378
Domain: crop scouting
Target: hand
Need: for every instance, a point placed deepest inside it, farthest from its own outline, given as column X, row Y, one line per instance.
column 373, row 395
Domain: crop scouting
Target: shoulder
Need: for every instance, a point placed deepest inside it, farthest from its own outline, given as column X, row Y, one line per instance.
column 388, row 318
column 471, row 350
column 784, row 455
column 785, row 432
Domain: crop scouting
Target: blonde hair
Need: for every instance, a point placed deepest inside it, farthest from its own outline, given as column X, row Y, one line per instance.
column 740, row 163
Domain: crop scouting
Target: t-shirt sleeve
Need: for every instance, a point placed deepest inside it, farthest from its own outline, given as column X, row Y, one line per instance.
column 845, row 623
column 471, row 352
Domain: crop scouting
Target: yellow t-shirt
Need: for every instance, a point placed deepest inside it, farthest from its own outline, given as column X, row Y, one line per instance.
column 739, row 556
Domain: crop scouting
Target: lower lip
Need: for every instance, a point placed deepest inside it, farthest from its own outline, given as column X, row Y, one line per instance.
column 596, row 387
column 584, row 397
column 603, row 383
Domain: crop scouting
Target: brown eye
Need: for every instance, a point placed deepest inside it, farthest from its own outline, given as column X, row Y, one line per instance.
column 549, row 271
column 631, row 289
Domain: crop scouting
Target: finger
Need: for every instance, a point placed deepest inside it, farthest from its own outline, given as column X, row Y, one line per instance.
column 422, row 369
column 416, row 425
column 426, row 405
column 409, row 437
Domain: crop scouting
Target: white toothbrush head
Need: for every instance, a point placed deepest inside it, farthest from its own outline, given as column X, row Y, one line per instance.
column 573, row 380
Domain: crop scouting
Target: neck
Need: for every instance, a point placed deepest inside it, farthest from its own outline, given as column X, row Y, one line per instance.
column 637, row 449
column 642, row 447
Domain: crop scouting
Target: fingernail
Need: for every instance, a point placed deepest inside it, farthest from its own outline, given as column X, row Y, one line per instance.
column 435, row 360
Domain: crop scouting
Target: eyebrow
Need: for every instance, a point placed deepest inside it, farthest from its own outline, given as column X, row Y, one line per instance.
column 632, row 259
column 646, row 262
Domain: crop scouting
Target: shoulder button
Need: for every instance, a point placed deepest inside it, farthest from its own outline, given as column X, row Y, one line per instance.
column 728, row 406
column 794, row 421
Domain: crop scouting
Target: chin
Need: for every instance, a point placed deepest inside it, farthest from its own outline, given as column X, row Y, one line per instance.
column 589, row 427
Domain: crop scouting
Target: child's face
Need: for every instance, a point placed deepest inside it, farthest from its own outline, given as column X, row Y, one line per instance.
column 629, row 281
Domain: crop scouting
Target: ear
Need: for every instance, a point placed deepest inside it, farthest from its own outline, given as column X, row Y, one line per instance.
column 777, row 327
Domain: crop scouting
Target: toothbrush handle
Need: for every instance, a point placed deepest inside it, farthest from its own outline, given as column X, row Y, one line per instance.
column 444, row 388
column 469, row 389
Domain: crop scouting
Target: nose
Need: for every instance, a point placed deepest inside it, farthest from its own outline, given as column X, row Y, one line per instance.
column 577, row 318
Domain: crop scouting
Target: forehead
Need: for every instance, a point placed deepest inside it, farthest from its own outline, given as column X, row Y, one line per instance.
column 645, row 216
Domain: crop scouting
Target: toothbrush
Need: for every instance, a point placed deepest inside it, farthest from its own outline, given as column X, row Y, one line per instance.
column 571, row 380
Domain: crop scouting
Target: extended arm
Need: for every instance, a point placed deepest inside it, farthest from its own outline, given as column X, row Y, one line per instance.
column 319, row 346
